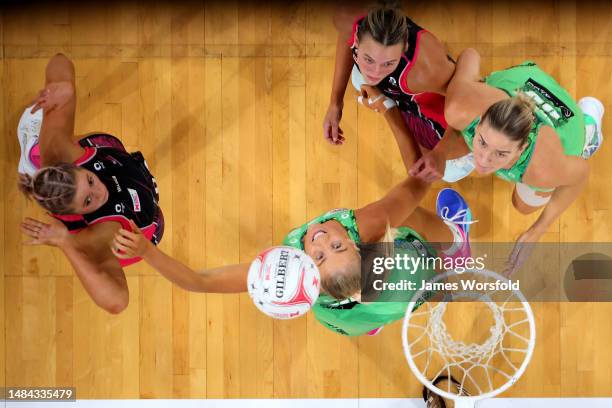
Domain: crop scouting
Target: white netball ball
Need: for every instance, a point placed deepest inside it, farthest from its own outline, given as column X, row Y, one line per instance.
column 283, row 282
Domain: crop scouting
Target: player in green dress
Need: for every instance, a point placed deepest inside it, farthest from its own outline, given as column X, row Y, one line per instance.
column 525, row 128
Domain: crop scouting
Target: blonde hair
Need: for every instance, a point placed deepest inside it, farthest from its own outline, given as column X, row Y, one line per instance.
column 53, row 188
column 513, row 117
column 386, row 24
column 347, row 280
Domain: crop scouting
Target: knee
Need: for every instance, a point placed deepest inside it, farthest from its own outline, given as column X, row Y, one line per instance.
column 526, row 200
column 520, row 206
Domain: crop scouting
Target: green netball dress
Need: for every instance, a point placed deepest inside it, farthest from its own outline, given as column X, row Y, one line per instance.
column 352, row 318
column 555, row 108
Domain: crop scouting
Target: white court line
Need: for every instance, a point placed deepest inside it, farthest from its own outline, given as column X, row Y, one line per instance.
column 318, row 403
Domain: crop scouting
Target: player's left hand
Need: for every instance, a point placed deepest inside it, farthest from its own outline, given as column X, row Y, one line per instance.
column 371, row 97
column 127, row 245
column 521, row 252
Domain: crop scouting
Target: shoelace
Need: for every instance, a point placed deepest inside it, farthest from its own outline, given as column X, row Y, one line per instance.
column 457, row 217
column 34, row 122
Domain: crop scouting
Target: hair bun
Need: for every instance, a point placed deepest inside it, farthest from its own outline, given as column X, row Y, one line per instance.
column 53, row 187
column 526, row 100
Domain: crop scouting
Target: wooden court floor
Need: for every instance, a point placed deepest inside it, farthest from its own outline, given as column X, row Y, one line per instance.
column 226, row 101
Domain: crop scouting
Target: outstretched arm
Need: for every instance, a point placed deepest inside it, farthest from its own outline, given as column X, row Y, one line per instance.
column 343, row 20
column 58, row 101
column 393, row 209
column 90, row 256
column 408, row 147
column 225, row 279
column 467, row 96
column 570, row 175
column 372, row 98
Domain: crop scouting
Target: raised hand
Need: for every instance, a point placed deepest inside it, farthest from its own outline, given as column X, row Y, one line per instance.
column 54, row 233
column 429, row 168
column 371, row 97
column 54, row 96
column 521, row 252
column 331, row 125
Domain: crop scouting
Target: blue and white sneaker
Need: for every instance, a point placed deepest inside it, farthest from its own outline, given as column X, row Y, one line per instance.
column 452, row 208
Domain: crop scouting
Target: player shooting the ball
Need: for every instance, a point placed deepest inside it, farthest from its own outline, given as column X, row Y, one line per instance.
column 333, row 240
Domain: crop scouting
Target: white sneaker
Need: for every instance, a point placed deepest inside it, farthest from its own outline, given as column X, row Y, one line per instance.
column 459, row 168
column 593, row 110
column 28, row 131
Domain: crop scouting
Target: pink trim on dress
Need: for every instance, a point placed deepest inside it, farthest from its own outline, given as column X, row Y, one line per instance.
column 403, row 79
column 69, row 217
column 431, row 105
column 147, row 231
column 90, row 152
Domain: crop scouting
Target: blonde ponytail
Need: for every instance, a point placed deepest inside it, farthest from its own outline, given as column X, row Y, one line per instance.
column 513, row 117
column 53, row 188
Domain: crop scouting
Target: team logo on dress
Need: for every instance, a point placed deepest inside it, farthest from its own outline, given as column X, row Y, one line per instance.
column 567, row 113
column 113, row 160
column 418, row 245
column 335, row 211
column 135, row 199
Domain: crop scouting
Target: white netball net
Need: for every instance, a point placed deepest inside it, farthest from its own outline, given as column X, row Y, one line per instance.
column 489, row 346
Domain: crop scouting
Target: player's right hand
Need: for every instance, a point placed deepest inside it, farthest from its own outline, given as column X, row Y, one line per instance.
column 53, row 96
column 53, row 233
column 372, row 98
column 429, row 168
column 331, row 125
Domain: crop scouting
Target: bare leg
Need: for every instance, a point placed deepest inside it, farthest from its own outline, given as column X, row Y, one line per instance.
column 429, row 225
column 56, row 134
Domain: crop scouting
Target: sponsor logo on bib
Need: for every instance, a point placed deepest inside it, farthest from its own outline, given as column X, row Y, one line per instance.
column 135, row 199
column 116, row 183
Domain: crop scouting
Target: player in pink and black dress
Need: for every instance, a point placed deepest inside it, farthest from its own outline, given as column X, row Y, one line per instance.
column 90, row 189
column 383, row 48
